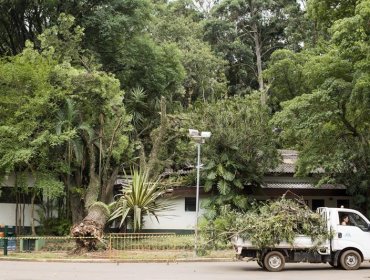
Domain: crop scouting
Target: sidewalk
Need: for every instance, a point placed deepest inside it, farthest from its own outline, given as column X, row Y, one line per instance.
column 121, row 257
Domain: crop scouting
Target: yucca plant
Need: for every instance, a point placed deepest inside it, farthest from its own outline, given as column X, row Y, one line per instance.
column 139, row 197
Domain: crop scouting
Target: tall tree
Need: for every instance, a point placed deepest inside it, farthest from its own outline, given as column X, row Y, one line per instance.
column 180, row 23
column 285, row 76
column 239, row 152
column 35, row 87
column 28, row 103
column 247, row 32
column 330, row 124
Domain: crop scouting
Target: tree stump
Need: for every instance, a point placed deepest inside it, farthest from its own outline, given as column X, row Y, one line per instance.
column 91, row 230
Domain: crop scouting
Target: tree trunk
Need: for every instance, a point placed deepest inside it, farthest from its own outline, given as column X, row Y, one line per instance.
column 101, row 179
column 33, row 230
column 258, row 47
column 91, row 229
column 153, row 164
column 76, row 205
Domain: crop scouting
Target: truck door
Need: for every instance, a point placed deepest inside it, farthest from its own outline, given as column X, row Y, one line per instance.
column 353, row 231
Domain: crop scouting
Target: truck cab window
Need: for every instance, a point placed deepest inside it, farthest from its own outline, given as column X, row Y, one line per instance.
column 354, row 220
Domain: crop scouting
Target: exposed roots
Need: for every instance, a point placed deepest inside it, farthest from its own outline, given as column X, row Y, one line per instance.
column 88, row 233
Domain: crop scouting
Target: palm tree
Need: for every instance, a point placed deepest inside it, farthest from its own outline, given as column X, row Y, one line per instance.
column 69, row 123
column 141, row 196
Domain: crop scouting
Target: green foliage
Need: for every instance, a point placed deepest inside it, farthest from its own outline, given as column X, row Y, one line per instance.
column 141, row 196
column 239, row 32
column 285, row 76
column 63, row 40
column 267, row 224
column 59, row 119
column 241, row 148
column 330, row 123
column 179, row 22
column 28, row 101
column 50, row 186
column 54, row 227
column 326, row 12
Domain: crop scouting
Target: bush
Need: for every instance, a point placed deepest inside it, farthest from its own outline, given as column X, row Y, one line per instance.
column 55, row 227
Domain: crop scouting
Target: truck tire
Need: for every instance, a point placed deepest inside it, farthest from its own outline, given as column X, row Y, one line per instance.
column 350, row 260
column 274, row 261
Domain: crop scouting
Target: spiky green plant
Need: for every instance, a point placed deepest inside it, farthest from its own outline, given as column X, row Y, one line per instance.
column 139, row 197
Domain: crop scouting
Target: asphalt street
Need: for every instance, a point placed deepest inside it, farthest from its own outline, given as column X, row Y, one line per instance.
column 19, row 270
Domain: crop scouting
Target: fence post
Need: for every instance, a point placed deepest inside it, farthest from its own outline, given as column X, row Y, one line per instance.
column 110, row 245
column 6, row 241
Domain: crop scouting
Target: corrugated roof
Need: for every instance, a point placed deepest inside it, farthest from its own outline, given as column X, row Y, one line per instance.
column 300, row 185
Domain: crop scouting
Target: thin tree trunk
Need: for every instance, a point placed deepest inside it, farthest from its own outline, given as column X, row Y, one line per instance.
column 158, row 136
column 258, row 47
column 107, row 191
column 92, row 191
column 33, row 230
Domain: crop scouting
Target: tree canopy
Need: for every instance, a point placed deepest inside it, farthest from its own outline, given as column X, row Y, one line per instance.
column 329, row 120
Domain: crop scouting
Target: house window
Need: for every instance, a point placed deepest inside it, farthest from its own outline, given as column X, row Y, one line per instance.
column 316, row 203
column 14, row 195
column 190, row 203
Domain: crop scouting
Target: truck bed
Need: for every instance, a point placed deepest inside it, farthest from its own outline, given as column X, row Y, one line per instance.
column 300, row 242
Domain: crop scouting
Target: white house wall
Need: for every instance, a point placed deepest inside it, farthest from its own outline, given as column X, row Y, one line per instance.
column 7, row 214
column 175, row 219
column 8, row 210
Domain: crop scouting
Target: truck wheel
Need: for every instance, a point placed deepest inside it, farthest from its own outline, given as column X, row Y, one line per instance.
column 274, row 261
column 350, row 260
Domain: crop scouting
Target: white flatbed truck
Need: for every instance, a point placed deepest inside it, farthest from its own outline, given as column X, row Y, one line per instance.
column 348, row 248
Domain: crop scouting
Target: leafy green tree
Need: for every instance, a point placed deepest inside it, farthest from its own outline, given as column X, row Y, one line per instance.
column 240, row 150
column 330, row 125
column 180, row 23
column 285, row 76
column 246, row 33
column 35, row 87
column 28, row 103
column 325, row 13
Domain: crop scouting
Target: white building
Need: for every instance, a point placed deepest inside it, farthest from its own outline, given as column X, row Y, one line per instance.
column 15, row 206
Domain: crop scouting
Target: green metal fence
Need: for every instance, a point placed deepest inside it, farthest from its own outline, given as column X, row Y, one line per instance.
column 111, row 244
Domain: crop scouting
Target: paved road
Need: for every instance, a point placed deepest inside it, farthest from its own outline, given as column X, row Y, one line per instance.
column 10, row 270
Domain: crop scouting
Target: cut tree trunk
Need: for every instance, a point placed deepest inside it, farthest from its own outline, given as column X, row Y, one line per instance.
column 91, row 230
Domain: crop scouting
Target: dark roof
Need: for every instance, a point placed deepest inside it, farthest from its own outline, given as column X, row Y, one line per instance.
column 300, row 185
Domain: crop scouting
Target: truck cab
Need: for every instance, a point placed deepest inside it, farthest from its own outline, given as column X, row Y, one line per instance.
column 351, row 235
